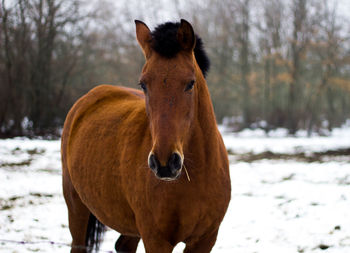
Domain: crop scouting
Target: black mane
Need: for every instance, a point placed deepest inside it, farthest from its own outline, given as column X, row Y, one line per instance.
column 166, row 44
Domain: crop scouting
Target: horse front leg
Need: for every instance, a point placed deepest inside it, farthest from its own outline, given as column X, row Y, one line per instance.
column 157, row 246
column 126, row 244
column 154, row 242
column 203, row 245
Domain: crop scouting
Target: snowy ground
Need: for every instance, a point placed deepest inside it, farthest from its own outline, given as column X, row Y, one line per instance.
column 278, row 205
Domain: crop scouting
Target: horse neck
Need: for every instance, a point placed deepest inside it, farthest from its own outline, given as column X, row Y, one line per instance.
column 205, row 115
column 204, row 128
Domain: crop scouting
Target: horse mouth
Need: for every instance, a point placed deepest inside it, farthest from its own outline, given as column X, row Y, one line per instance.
column 165, row 174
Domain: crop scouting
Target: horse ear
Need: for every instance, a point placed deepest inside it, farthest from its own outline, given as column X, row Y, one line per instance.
column 144, row 38
column 185, row 35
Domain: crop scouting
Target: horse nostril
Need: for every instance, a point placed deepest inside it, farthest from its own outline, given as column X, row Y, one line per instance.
column 175, row 162
column 153, row 162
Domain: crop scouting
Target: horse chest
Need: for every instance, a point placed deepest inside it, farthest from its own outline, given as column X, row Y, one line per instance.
column 182, row 214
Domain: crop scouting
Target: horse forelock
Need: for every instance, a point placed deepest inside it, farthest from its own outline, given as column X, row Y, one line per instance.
column 165, row 43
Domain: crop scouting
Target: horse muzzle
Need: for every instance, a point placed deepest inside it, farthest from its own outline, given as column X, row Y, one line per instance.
column 170, row 171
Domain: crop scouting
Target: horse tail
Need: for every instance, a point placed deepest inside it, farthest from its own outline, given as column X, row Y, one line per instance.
column 94, row 234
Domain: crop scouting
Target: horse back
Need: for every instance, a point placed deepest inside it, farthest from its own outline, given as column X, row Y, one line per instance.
column 90, row 102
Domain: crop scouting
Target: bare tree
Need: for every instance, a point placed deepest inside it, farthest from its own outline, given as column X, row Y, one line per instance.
column 270, row 26
column 329, row 54
column 31, row 31
column 282, row 62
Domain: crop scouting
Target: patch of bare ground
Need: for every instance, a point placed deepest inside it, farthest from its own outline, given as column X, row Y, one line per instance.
column 324, row 156
column 21, row 201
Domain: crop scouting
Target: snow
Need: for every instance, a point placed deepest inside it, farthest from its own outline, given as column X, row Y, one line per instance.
column 278, row 141
column 277, row 205
column 286, row 206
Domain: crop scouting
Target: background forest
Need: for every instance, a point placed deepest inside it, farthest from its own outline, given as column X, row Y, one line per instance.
column 275, row 63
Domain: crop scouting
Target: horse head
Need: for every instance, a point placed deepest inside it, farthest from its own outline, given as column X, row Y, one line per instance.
column 169, row 81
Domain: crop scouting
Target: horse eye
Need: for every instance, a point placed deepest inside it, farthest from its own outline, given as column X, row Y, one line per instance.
column 143, row 86
column 189, row 86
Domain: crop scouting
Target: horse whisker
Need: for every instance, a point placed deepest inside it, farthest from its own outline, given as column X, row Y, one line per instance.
column 188, row 177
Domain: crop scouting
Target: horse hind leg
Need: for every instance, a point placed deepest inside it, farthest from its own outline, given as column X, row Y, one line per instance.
column 126, row 244
column 85, row 229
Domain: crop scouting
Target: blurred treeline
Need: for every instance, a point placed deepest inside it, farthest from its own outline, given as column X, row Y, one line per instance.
column 275, row 63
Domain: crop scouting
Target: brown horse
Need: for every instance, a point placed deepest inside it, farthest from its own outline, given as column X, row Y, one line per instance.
column 149, row 164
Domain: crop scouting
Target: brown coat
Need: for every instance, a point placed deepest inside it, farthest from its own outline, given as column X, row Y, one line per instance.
column 106, row 141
